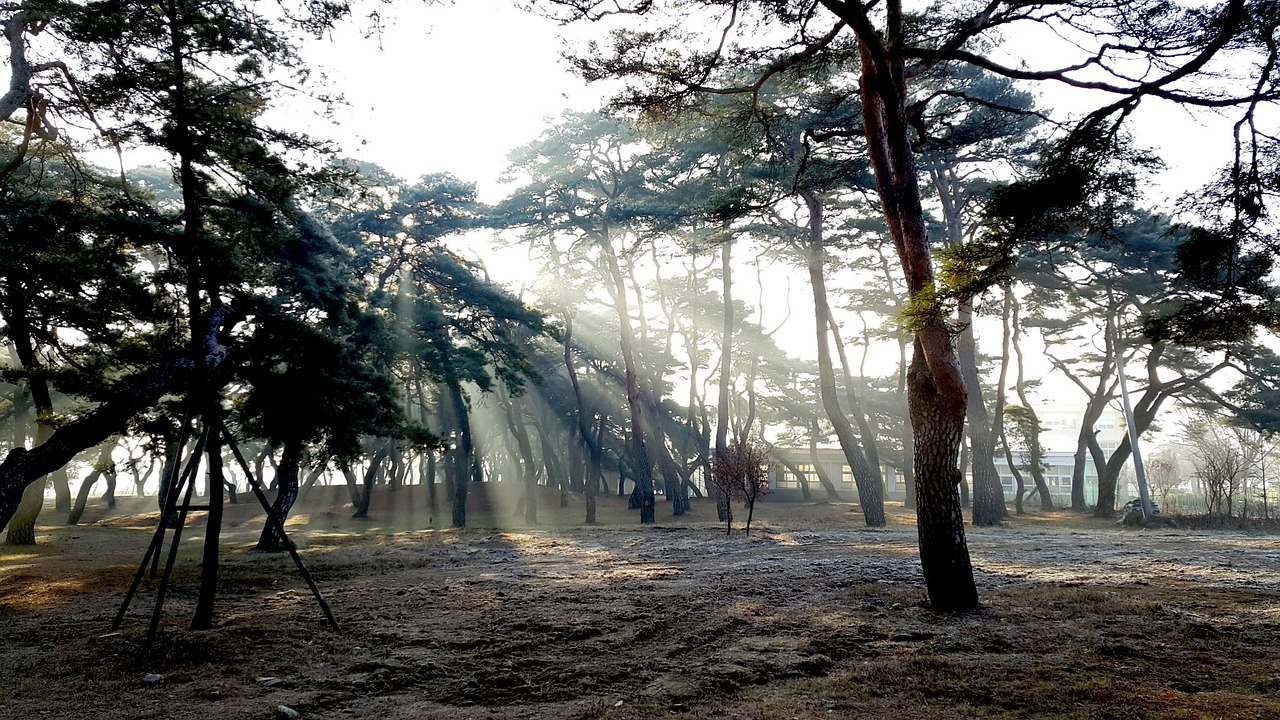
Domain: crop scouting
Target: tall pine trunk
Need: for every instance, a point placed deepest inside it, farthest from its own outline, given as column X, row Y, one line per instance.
column 462, row 460
column 988, row 493
column 938, row 424
column 726, row 364
column 641, row 432
column 866, row 425
column 936, row 391
column 593, row 460
column 1035, row 447
column 870, row 491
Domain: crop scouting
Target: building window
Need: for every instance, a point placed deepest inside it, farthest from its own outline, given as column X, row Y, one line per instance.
column 789, row 479
column 846, row 477
column 806, row 471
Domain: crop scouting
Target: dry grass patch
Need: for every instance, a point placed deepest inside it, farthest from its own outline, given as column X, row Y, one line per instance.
column 814, row 617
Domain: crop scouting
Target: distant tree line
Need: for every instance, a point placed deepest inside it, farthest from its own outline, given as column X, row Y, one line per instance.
column 322, row 310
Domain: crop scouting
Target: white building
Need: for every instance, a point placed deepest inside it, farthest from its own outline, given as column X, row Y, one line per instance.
column 1060, row 435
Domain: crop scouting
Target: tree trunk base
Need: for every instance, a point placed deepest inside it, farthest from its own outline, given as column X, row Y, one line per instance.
column 22, row 526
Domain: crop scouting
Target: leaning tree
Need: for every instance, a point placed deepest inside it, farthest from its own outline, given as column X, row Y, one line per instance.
column 1221, row 56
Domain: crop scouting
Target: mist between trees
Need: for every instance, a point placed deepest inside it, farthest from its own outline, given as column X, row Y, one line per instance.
column 322, row 309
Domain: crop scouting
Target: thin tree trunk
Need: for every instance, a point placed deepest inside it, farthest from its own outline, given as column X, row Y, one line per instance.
column 726, row 364
column 371, row 476
column 287, row 487
column 908, row 434
column 203, row 619
column 870, row 490
column 1035, row 447
column 866, row 427
column 594, row 472
column 528, row 473
column 140, row 479
column 461, row 459
column 988, row 493
column 100, row 467
column 823, row 478
column 1018, row 482
column 641, row 433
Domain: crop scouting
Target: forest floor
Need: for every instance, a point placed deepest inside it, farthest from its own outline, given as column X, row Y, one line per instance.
column 811, row 616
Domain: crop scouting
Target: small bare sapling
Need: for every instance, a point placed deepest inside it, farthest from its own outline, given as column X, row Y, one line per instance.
column 741, row 472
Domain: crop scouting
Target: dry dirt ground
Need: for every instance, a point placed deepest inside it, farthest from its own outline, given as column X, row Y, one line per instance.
column 812, row 616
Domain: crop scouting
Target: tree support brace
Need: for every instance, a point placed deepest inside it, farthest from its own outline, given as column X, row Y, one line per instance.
column 186, row 477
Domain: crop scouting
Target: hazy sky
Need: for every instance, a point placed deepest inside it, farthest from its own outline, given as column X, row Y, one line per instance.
column 456, row 86
column 450, row 87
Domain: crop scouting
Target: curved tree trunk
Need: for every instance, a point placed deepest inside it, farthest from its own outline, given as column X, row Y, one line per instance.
column 1035, row 447
column 22, row 523
column 1144, row 413
column 870, row 491
column 1019, row 485
column 287, row 486
column 101, row 466
column 988, row 493
column 37, row 396
column 371, row 476
column 823, row 478
column 801, row 477
column 140, row 478
column 641, row 432
column 21, row 528
column 866, row 427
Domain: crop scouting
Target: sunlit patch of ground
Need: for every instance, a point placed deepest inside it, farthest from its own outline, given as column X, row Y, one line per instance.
column 812, row 616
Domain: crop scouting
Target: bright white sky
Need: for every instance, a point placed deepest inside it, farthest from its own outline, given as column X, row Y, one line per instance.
column 451, row 87
column 456, row 86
